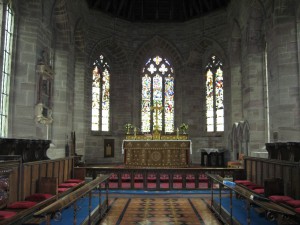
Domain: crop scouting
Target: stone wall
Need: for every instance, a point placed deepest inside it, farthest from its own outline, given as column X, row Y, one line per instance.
column 257, row 41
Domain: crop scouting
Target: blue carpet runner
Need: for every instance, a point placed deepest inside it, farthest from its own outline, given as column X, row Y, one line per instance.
column 82, row 212
column 239, row 208
column 239, row 212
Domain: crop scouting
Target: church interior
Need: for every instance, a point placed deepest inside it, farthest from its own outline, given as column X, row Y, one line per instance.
column 150, row 112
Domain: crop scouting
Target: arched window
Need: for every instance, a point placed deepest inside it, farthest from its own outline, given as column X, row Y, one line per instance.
column 214, row 95
column 101, row 95
column 7, row 40
column 157, row 107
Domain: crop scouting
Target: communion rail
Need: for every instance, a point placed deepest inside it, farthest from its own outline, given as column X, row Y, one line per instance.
column 56, row 209
column 158, row 178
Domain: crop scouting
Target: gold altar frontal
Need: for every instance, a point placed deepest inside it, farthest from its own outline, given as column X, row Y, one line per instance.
column 171, row 152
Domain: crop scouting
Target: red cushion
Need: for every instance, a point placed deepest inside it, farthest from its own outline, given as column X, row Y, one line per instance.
column 62, row 189
column 293, row 203
column 259, row 191
column 280, row 198
column 21, row 205
column 74, row 181
column 242, row 181
column 252, row 187
column 297, row 210
column 247, row 184
column 38, row 197
column 6, row 214
column 67, row 185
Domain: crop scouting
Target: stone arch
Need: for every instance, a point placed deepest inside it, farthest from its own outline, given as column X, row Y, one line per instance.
column 61, row 22
column 235, row 43
column 255, row 27
column 115, row 54
column 235, row 55
column 234, row 140
column 243, row 133
column 298, row 12
column 202, row 52
column 205, row 48
column 284, row 8
column 79, row 40
column 157, row 45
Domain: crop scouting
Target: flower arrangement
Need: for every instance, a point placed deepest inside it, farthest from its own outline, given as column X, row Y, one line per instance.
column 128, row 126
column 184, row 127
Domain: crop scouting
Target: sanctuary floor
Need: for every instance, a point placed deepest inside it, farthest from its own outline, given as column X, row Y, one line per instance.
column 160, row 210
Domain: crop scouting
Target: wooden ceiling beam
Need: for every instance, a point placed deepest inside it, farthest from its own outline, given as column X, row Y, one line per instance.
column 206, row 4
column 108, row 3
column 131, row 14
column 200, row 3
column 184, row 10
column 195, row 6
column 96, row 4
column 191, row 9
column 171, row 10
column 121, row 7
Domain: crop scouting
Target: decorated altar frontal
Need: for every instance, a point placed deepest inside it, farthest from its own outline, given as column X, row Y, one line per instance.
column 167, row 153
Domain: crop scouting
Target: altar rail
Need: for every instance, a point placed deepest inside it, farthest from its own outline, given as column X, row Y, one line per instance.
column 260, row 169
column 159, row 178
column 92, row 216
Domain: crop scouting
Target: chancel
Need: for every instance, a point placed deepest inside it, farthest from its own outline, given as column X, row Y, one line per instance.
column 171, row 102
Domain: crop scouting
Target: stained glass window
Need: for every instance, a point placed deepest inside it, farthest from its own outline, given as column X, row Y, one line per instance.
column 214, row 95
column 101, row 95
column 157, row 106
column 8, row 19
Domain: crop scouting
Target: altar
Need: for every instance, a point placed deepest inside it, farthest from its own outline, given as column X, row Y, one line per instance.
column 157, row 153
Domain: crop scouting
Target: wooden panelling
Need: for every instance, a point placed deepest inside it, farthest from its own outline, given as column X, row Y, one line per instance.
column 289, row 172
column 26, row 181
column 13, row 188
column 66, row 169
column 23, row 178
column 43, row 170
column 50, row 169
column 57, row 172
column 35, row 175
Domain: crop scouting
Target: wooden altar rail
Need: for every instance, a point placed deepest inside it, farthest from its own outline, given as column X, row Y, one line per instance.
column 71, row 199
column 259, row 169
column 26, row 175
column 199, row 175
column 284, row 215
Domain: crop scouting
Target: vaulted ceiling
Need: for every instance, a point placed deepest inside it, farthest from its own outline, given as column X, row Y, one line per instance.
column 157, row 10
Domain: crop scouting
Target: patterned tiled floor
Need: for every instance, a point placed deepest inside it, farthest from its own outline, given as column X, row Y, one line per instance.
column 159, row 211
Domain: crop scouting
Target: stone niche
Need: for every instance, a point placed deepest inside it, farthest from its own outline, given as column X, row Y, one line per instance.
column 45, row 76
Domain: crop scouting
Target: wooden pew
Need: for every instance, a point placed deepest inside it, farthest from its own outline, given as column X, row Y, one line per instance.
column 71, row 198
column 24, row 209
column 25, row 179
column 259, row 169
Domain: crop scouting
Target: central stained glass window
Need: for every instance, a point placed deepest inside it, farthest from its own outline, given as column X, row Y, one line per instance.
column 157, row 106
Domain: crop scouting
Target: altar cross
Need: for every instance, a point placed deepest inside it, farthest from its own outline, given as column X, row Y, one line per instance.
column 156, row 109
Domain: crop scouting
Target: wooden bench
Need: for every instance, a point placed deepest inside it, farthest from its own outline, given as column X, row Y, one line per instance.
column 19, row 211
column 71, row 198
column 47, row 192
